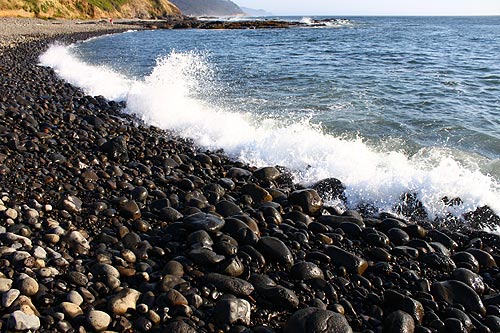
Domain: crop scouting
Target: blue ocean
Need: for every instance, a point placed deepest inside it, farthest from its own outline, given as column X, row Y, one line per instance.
column 388, row 105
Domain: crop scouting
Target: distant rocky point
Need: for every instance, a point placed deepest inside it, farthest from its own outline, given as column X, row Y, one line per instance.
column 208, row 7
column 256, row 12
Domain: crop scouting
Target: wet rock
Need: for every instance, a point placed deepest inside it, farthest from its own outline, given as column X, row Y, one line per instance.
column 442, row 238
column 232, row 310
column 266, row 173
column 174, row 268
column 227, row 208
column 305, row 271
column 232, row 267
column 314, row 320
column 456, row 292
column 71, row 203
column 123, row 301
column 275, row 250
column 466, row 260
column 493, row 323
column 453, row 325
column 399, row 322
column 330, row 189
column 239, row 173
column 470, row 278
column 257, row 193
column 116, row 149
column 351, row 262
column 204, row 221
column 484, row 258
column 398, row 236
column 204, row 256
column 439, row 262
column 308, row 200
column 273, row 295
column 171, row 281
column 396, row 301
column 140, row 193
column 19, row 321
column 229, row 284
column 460, row 315
column 130, row 210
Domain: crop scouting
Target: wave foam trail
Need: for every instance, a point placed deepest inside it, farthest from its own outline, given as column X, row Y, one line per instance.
column 172, row 97
column 93, row 80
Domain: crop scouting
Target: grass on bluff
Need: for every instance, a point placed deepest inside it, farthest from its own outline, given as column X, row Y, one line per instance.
column 108, row 5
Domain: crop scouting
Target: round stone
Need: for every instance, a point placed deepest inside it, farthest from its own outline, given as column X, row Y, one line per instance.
column 314, row 320
column 71, row 309
column 28, row 286
column 98, row 320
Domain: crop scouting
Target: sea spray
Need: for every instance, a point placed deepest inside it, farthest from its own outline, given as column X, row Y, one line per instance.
column 171, row 97
column 94, row 80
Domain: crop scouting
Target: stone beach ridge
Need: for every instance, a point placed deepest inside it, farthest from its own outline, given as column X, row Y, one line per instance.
column 107, row 224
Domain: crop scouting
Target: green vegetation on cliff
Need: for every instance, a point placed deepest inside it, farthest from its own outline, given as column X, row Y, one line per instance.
column 84, row 9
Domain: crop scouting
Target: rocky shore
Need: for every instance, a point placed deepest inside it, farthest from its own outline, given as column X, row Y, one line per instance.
column 107, row 224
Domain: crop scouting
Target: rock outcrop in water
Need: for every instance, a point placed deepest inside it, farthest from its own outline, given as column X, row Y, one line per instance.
column 108, row 224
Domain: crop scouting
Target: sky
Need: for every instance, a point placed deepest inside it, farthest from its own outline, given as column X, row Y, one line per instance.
column 375, row 7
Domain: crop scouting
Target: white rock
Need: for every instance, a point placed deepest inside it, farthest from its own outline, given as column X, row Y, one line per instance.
column 18, row 239
column 11, row 213
column 39, row 252
column 124, row 300
column 78, row 242
column 74, row 297
column 9, row 297
column 20, row 321
column 5, row 284
column 71, row 310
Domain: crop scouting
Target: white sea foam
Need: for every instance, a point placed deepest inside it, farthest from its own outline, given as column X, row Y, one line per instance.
column 307, row 20
column 171, row 97
column 94, row 80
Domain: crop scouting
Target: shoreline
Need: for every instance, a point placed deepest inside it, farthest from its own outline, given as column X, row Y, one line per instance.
column 112, row 224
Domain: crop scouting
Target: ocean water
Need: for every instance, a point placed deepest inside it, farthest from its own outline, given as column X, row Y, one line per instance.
column 388, row 105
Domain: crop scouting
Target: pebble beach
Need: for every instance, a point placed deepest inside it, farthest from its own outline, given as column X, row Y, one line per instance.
column 107, row 224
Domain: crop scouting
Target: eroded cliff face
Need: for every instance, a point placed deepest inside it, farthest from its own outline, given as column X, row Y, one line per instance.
column 88, row 9
column 208, row 7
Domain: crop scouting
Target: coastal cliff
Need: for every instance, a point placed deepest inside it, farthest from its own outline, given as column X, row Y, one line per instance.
column 86, row 9
column 208, row 7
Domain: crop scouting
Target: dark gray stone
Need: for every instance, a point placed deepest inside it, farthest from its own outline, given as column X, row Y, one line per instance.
column 229, row 284
column 232, row 310
column 204, row 221
column 305, row 271
column 314, row 320
column 456, row 292
column 275, row 250
column 350, row 261
column 399, row 322
column 308, row 199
